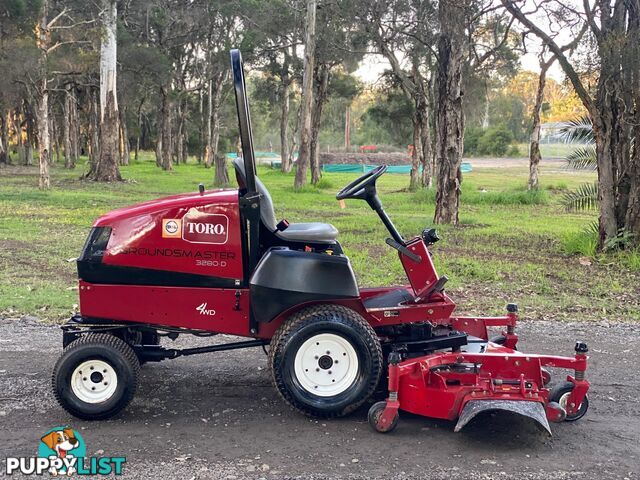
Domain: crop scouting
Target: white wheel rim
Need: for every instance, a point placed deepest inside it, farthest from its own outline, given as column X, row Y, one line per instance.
column 564, row 399
column 94, row 381
column 326, row 365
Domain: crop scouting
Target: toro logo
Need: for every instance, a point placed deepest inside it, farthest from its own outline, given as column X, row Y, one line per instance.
column 208, row 228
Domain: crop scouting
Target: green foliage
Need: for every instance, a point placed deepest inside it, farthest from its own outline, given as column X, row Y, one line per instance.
column 514, row 151
column 584, row 242
column 387, row 121
column 578, row 130
column 471, row 137
column 494, row 141
column 583, row 158
column 585, row 197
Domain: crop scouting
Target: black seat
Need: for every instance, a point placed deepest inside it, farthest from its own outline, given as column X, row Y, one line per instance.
column 296, row 232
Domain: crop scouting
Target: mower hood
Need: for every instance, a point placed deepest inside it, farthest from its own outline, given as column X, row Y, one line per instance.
column 530, row 409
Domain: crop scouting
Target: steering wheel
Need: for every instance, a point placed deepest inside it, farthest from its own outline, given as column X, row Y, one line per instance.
column 364, row 187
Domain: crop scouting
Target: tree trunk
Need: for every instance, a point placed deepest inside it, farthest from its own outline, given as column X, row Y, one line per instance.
column 304, row 155
column 450, row 116
column 180, row 114
column 125, row 152
column 632, row 216
column 416, row 153
column 107, row 167
column 18, row 126
column 44, row 141
column 139, row 129
column 534, row 144
column 320, row 98
column 221, row 178
column 200, row 149
column 30, row 141
column 427, row 150
column 66, row 128
column 44, row 144
column 94, row 132
column 285, row 159
column 208, row 154
column 5, row 153
column 163, row 148
column 53, row 131
column 285, row 92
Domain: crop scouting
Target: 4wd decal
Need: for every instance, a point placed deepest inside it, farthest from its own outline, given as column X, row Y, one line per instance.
column 202, row 308
column 206, row 228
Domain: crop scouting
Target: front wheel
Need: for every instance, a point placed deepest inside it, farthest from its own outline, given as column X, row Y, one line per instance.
column 96, row 376
column 326, row 361
column 561, row 393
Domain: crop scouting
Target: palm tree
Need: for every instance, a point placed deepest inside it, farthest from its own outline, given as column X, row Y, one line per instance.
column 585, row 197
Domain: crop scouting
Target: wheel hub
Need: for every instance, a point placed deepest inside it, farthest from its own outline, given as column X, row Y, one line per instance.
column 94, row 381
column 325, row 362
column 326, row 365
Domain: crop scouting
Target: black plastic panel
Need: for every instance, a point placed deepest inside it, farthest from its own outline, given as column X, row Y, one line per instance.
column 285, row 278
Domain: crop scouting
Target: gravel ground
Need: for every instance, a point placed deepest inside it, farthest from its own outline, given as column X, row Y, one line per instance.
column 217, row 416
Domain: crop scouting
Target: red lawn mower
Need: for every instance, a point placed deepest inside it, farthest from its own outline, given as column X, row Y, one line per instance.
column 218, row 261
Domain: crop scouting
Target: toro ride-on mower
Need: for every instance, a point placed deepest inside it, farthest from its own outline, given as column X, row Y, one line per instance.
column 218, row 261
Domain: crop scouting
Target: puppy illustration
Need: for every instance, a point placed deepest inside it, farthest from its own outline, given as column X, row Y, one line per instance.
column 61, row 442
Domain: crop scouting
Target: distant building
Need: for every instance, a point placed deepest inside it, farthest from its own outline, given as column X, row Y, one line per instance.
column 551, row 132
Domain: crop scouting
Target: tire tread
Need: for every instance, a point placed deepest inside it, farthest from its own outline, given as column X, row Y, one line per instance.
column 309, row 315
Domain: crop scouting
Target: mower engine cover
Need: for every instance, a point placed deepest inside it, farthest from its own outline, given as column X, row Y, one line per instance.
column 285, row 278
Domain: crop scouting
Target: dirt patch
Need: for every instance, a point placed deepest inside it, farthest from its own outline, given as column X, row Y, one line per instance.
column 218, row 416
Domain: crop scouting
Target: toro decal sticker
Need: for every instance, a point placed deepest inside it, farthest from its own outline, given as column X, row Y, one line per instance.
column 206, row 228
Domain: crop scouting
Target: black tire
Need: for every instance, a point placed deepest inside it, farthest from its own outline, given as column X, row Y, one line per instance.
column 374, row 414
column 559, row 391
column 96, row 347
column 500, row 340
column 318, row 320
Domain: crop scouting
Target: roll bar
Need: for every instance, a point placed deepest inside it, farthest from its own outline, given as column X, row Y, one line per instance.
column 244, row 120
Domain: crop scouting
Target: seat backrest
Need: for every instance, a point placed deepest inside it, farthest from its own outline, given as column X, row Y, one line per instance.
column 267, row 214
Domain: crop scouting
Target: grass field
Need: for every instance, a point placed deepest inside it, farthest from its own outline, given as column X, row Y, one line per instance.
column 549, row 150
column 512, row 245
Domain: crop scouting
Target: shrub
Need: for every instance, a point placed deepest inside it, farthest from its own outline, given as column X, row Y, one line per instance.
column 495, row 141
column 583, row 243
column 471, row 137
column 513, row 151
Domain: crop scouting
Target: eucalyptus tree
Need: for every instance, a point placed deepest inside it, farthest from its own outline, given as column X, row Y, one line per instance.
column 404, row 31
column 613, row 104
column 279, row 26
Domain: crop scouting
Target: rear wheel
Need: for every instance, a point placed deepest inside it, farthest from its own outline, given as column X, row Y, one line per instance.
column 326, row 360
column 96, row 376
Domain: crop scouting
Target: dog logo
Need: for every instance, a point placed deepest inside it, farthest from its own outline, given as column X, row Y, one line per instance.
column 62, row 452
column 61, row 446
column 171, row 228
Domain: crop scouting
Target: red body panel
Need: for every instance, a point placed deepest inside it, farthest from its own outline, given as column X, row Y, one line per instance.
column 211, row 309
column 192, row 233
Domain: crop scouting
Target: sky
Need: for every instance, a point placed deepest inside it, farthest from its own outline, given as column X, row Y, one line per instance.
column 373, row 66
